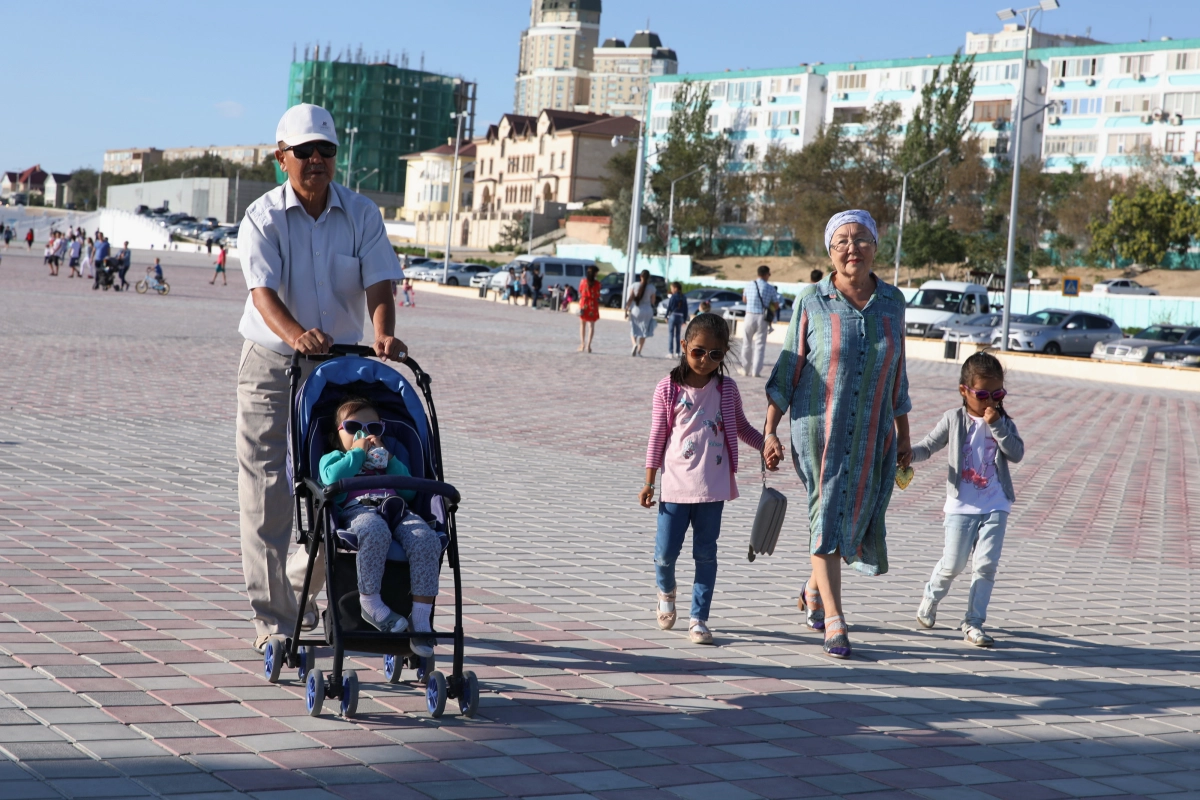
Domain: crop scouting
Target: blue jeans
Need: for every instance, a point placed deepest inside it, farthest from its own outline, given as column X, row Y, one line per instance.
column 984, row 532
column 674, row 333
column 673, row 521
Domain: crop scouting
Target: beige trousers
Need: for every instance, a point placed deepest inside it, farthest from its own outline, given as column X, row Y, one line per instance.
column 754, row 344
column 267, row 507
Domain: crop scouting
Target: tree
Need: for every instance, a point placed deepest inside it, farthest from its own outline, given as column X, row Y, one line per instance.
column 1147, row 225
column 83, row 188
column 205, row 166
column 514, row 236
column 926, row 244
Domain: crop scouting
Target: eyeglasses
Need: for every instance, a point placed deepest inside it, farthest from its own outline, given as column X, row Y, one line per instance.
column 980, row 394
column 304, row 151
column 353, row 426
column 699, row 353
column 844, row 245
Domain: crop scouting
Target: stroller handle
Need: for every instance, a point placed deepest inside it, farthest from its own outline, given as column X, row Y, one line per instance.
column 354, row 350
column 396, row 482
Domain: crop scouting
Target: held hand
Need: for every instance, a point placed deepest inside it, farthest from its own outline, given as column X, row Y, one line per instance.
column 904, row 452
column 990, row 415
column 390, row 348
column 312, row 342
column 773, row 453
column 646, row 497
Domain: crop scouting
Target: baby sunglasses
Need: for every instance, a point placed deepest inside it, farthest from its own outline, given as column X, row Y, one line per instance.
column 353, row 426
column 981, row 394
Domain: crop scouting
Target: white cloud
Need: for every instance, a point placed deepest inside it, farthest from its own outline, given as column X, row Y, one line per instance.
column 229, row 109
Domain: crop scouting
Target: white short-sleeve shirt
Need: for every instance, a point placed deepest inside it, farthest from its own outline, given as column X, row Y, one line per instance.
column 320, row 268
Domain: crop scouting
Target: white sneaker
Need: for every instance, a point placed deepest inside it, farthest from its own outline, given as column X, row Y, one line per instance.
column 927, row 613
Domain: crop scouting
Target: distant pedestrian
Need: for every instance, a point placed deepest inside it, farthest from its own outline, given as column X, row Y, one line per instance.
column 29, row 239
column 526, row 284
column 100, row 257
column 568, row 297
column 512, row 285
column 410, row 293
column 536, row 283
column 124, row 260
column 695, row 425
column 640, row 305
column 208, row 243
column 74, row 253
column 762, row 302
column 59, row 244
column 815, row 276
column 982, row 440
column 89, row 254
column 48, row 257
column 589, row 308
column 677, row 314
column 8, row 235
column 220, row 262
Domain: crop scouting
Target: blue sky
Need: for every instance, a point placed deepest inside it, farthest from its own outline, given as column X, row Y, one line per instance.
column 83, row 77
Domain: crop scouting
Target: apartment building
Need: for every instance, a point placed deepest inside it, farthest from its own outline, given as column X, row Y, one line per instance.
column 620, row 73
column 427, row 184
column 555, row 63
column 131, row 160
column 247, row 154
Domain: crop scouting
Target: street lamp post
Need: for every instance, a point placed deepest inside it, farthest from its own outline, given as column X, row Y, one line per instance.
column 453, row 200
column 635, row 213
column 350, row 160
column 1018, row 121
column 358, row 183
column 671, row 214
column 903, row 199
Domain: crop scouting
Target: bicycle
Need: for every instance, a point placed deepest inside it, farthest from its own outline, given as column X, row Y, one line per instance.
column 146, row 284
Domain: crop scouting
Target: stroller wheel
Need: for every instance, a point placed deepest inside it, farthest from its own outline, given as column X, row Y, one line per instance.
column 392, row 668
column 424, row 667
column 468, row 694
column 349, row 693
column 435, row 694
column 314, row 693
column 305, row 660
column 273, row 654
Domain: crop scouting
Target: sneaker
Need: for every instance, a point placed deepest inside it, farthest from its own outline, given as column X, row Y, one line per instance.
column 927, row 613
column 422, row 646
column 699, row 632
column 976, row 636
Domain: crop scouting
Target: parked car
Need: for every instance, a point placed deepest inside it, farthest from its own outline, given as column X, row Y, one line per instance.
column 980, row 328
column 1141, row 347
column 1056, row 331
column 459, row 274
column 1122, row 286
column 737, row 311
column 229, row 240
column 940, row 303
column 1180, row 355
column 484, row 278
column 720, row 299
column 421, row 272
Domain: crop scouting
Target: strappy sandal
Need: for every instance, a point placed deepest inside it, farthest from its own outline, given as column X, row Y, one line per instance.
column 814, row 617
column 699, row 632
column 837, row 645
column 392, row 623
column 666, row 610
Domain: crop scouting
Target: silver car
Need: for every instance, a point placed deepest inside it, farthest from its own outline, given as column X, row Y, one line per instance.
column 737, row 311
column 1057, row 331
column 979, row 329
column 1143, row 345
column 720, row 299
column 458, row 274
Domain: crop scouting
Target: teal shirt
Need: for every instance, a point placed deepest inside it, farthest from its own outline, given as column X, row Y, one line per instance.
column 338, row 465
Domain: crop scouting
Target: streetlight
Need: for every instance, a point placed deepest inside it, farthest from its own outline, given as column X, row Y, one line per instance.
column 359, row 182
column 350, row 160
column 671, row 213
column 635, row 213
column 903, row 198
column 1019, row 120
column 453, row 199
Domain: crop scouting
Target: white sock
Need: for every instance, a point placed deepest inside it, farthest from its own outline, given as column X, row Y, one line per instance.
column 373, row 604
column 420, row 617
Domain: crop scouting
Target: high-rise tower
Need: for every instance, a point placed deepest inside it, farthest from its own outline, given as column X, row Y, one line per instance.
column 556, row 56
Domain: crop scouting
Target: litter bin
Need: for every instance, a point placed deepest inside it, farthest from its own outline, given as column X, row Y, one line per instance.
column 950, row 351
column 483, row 290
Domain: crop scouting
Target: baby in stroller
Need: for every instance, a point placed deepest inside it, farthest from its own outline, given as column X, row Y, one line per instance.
column 378, row 515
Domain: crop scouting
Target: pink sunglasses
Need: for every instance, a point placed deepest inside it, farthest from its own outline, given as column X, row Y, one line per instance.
column 980, row 394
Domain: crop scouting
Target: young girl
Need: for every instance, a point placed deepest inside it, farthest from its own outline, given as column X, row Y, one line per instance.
column 359, row 450
column 979, row 494
column 410, row 294
column 697, row 421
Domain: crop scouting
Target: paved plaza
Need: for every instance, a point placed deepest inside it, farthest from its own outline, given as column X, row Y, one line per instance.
column 125, row 661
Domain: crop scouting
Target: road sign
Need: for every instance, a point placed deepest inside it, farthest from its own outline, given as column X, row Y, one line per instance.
column 1070, row 286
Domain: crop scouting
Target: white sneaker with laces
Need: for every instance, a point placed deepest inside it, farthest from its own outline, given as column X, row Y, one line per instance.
column 927, row 613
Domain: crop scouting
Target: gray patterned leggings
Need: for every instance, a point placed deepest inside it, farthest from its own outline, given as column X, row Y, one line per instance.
column 418, row 539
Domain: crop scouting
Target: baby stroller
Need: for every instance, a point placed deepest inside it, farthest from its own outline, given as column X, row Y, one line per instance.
column 412, row 438
column 107, row 274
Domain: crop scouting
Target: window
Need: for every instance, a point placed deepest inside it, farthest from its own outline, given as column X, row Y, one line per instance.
column 1185, row 103
column 1188, row 60
column 795, row 84
column 744, row 91
column 990, row 110
column 1129, row 103
column 714, row 122
column 1135, row 65
column 514, row 164
column 997, row 72
column 1119, row 143
column 1070, row 145
column 752, row 119
column 552, row 269
column 661, row 123
column 1076, row 67
column 1072, row 106
column 1176, row 142
column 784, row 119
column 717, row 90
column 849, row 115
column 666, row 91
column 573, row 270
column 847, row 82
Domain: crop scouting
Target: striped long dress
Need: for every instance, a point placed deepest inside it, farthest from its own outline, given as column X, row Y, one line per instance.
column 842, row 375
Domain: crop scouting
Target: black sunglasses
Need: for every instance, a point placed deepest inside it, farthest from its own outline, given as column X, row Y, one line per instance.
column 353, row 426
column 699, row 353
column 304, row 151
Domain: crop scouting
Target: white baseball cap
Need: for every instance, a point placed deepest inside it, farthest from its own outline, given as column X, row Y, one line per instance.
column 305, row 123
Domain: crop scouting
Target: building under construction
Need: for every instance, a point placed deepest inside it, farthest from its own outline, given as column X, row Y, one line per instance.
column 396, row 111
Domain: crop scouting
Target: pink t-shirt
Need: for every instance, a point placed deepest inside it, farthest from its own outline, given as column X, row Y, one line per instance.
column 696, row 467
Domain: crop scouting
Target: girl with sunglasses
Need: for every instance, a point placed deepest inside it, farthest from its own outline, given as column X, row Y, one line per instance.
column 359, row 450
column 983, row 439
column 697, row 421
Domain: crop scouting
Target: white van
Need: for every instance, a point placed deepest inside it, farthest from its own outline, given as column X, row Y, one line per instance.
column 555, row 270
column 939, row 303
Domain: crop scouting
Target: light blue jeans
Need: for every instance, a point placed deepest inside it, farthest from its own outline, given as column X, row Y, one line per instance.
column 984, row 532
column 673, row 521
column 674, row 333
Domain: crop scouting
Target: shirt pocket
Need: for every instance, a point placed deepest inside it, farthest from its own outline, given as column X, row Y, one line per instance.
column 347, row 274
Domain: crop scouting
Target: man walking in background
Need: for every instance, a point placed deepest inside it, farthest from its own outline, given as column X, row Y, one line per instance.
column 761, row 301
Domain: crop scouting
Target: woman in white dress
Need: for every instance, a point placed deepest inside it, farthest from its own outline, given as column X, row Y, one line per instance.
column 89, row 253
column 640, row 305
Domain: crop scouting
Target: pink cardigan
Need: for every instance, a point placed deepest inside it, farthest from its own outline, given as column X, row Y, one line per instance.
column 665, row 395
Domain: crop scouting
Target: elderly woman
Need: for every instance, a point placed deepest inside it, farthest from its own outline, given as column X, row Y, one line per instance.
column 842, row 375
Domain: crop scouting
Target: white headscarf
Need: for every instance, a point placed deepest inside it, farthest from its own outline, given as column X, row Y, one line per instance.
column 844, row 218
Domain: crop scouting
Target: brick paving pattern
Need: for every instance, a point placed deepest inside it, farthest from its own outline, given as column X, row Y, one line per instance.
column 126, row 671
